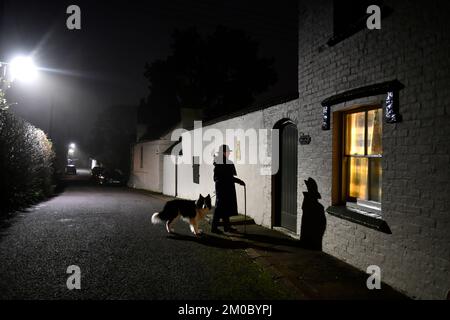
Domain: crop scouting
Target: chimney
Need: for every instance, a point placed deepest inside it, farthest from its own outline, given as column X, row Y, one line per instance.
column 141, row 130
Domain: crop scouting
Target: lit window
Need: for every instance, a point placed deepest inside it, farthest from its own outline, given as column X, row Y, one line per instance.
column 362, row 170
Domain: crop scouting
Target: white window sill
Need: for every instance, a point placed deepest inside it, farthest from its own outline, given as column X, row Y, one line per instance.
column 368, row 219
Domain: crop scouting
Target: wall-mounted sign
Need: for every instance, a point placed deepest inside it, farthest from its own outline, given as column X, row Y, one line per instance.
column 390, row 89
column 304, row 139
column 237, row 148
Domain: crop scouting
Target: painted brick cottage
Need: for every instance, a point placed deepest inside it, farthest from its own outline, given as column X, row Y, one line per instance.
column 375, row 105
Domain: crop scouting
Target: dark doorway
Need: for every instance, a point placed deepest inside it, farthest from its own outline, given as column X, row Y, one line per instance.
column 285, row 180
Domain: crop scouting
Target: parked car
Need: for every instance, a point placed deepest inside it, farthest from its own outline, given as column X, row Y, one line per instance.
column 96, row 172
column 111, row 177
column 71, row 169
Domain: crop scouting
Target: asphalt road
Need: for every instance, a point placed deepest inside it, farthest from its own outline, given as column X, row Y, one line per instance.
column 107, row 233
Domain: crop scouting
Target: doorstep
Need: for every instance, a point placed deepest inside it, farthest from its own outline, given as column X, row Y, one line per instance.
column 234, row 220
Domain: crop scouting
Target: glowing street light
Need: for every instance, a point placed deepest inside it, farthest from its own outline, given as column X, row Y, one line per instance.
column 70, row 153
column 22, row 68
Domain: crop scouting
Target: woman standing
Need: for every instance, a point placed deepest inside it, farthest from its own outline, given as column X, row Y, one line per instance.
column 224, row 178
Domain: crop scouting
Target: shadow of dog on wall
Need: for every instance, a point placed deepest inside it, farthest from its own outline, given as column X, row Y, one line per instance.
column 313, row 219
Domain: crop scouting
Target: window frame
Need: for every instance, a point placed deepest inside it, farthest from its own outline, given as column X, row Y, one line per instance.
column 369, row 206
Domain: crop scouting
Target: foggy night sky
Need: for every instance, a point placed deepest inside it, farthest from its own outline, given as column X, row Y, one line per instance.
column 104, row 61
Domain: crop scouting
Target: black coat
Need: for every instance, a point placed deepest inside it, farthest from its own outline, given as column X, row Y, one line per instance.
column 224, row 178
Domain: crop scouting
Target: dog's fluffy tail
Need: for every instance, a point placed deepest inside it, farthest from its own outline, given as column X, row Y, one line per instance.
column 156, row 219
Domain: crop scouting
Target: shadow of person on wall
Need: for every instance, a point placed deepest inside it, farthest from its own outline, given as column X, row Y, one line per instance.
column 313, row 218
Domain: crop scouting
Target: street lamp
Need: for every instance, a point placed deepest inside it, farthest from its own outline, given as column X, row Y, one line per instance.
column 21, row 68
column 70, row 153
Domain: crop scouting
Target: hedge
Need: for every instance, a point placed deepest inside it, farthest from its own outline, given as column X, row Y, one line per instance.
column 26, row 163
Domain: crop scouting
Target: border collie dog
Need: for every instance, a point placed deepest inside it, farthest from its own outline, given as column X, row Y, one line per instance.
column 190, row 211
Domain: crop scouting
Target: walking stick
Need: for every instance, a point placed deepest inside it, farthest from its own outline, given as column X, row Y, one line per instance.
column 245, row 209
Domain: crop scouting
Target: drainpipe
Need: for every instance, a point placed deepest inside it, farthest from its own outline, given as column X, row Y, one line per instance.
column 176, row 176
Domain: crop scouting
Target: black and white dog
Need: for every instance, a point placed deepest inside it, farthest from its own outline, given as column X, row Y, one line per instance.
column 190, row 211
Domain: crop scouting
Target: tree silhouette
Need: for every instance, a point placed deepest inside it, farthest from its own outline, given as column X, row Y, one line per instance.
column 111, row 137
column 219, row 73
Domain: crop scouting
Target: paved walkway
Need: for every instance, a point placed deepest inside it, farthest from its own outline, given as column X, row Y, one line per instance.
column 310, row 274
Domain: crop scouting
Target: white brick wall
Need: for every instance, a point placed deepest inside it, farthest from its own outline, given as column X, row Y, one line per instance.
column 258, row 186
column 150, row 176
column 413, row 46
